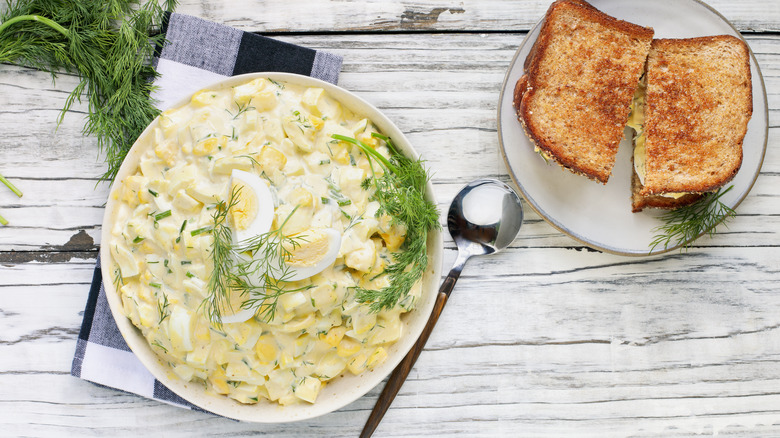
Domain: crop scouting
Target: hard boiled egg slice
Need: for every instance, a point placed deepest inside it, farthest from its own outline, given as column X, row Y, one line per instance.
column 315, row 251
column 231, row 310
column 253, row 212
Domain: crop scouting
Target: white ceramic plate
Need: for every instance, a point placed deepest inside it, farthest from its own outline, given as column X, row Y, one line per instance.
column 600, row 215
column 342, row 390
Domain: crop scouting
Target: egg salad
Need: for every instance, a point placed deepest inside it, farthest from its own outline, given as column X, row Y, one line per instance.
column 260, row 162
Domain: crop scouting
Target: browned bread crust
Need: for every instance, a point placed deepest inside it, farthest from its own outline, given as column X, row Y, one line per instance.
column 639, row 202
column 580, row 75
column 699, row 102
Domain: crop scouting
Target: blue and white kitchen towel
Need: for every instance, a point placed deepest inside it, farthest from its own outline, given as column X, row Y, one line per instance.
column 196, row 53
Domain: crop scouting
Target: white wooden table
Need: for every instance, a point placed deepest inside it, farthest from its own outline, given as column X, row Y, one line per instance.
column 546, row 339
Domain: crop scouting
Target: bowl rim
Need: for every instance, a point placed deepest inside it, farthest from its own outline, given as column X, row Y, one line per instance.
column 346, row 388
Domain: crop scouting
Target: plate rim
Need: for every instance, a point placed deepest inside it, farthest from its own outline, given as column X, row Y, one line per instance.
column 223, row 405
column 581, row 239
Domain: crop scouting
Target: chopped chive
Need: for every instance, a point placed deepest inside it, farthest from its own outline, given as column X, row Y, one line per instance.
column 325, row 200
column 200, row 230
column 186, row 262
column 138, row 239
column 183, row 224
column 162, row 215
column 3, row 221
column 157, row 285
column 323, row 162
column 344, row 202
column 153, row 193
column 189, row 274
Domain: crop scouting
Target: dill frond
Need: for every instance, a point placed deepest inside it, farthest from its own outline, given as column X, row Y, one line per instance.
column 222, row 259
column 400, row 192
column 683, row 225
column 259, row 279
column 108, row 44
column 266, row 275
column 162, row 308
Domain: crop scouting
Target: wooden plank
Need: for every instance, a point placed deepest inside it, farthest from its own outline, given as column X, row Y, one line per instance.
column 443, row 98
column 545, row 339
column 593, row 342
column 427, row 15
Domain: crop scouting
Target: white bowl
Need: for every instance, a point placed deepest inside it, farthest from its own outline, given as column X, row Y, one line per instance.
column 342, row 390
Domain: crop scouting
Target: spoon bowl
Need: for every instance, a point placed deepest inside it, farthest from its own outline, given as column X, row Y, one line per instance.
column 484, row 217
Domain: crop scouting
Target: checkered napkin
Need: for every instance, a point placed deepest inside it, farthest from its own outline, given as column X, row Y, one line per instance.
column 196, row 53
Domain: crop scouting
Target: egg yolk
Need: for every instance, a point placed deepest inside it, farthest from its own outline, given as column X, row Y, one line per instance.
column 244, row 211
column 311, row 248
column 232, row 303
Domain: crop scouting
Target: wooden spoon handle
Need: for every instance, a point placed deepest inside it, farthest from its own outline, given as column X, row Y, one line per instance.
column 400, row 373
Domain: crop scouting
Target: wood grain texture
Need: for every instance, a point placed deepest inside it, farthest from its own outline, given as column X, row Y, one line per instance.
column 399, row 375
column 425, row 16
column 545, row 339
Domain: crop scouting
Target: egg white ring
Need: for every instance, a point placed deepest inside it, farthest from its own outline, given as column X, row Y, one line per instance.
column 265, row 205
column 240, row 316
column 334, row 244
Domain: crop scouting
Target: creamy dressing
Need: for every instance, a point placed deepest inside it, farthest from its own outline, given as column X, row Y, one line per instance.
column 161, row 241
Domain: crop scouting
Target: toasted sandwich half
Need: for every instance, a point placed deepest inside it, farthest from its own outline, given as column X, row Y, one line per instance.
column 690, row 116
column 573, row 99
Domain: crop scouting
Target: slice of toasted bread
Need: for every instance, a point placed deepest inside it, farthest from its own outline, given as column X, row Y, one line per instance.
column 699, row 102
column 639, row 202
column 580, row 75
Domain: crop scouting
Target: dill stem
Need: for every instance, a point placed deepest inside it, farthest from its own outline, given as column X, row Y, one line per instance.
column 13, row 188
column 3, row 221
column 51, row 23
column 368, row 151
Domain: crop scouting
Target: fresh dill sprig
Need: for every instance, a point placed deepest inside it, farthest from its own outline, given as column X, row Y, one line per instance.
column 157, row 344
column 683, row 225
column 400, row 192
column 162, row 307
column 266, row 276
column 222, row 258
column 260, row 279
column 241, row 109
column 109, row 44
column 118, row 280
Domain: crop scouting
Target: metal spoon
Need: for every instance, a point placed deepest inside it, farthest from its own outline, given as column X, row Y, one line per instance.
column 484, row 217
